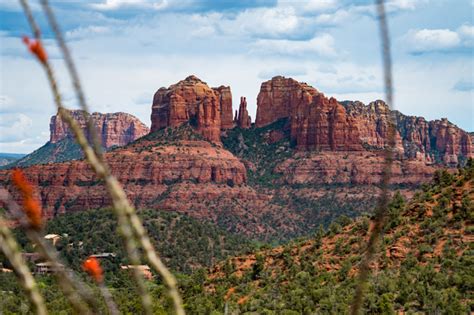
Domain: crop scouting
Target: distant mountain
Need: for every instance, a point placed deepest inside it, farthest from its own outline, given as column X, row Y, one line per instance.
column 115, row 129
column 424, row 264
column 63, row 150
column 7, row 158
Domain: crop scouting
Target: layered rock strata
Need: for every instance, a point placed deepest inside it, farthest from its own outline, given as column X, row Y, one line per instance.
column 323, row 124
column 191, row 100
column 114, row 129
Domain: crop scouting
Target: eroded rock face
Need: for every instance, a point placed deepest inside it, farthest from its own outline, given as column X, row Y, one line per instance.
column 322, row 124
column 437, row 141
column 278, row 97
column 350, row 168
column 242, row 118
column 145, row 170
column 209, row 110
column 316, row 122
column 114, row 129
column 225, row 101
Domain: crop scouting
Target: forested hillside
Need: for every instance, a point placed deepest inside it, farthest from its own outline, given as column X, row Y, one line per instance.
column 425, row 263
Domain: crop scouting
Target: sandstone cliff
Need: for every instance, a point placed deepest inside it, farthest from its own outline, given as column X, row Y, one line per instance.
column 322, row 124
column 115, row 129
column 209, row 110
column 242, row 118
column 145, row 168
column 436, row 141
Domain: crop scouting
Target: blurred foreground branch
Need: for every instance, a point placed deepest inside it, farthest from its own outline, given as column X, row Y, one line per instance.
column 381, row 209
column 130, row 225
column 10, row 248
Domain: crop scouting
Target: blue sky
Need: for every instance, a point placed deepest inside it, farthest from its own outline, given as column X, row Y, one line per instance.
column 127, row 49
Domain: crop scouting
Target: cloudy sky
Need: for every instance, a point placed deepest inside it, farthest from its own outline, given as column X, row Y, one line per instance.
column 127, row 49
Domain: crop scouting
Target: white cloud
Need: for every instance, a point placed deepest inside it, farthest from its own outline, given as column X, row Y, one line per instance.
column 268, row 22
column 87, row 31
column 322, row 45
column 310, row 5
column 466, row 31
column 119, row 4
column 293, row 71
column 336, row 18
column 432, row 40
column 404, row 4
column 14, row 127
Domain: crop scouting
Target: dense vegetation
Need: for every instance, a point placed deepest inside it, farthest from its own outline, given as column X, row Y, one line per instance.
column 184, row 243
column 256, row 146
column 425, row 263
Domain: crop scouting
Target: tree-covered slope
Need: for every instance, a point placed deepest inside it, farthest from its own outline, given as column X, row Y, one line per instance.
column 424, row 264
column 183, row 242
column 64, row 150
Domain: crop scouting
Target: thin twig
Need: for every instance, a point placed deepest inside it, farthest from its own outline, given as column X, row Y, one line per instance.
column 129, row 223
column 10, row 248
column 92, row 132
column 382, row 205
column 112, row 307
column 76, row 292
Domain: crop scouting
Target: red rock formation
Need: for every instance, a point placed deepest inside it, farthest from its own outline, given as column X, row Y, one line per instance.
column 242, row 118
column 144, row 169
column 322, row 124
column 429, row 141
column 353, row 168
column 450, row 142
column 115, row 129
column 225, row 101
column 278, row 97
column 316, row 121
column 192, row 100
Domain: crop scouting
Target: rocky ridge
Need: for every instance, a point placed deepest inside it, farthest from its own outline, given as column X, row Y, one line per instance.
column 114, row 129
column 209, row 110
column 323, row 124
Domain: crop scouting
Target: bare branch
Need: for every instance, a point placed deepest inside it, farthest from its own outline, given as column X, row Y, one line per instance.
column 382, row 206
column 11, row 249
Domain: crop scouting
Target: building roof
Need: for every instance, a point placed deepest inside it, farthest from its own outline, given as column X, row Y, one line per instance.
column 51, row 236
column 144, row 267
column 104, row 255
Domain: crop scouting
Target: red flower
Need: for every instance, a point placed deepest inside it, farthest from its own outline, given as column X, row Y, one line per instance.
column 31, row 205
column 92, row 266
column 36, row 48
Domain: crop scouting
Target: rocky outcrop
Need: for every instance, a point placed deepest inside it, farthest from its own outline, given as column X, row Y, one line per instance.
column 114, row 129
column 317, row 123
column 322, row 124
column 192, row 100
column 350, row 168
column 242, row 118
column 145, row 169
column 278, row 97
column 225, row 101
column 437, row 141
